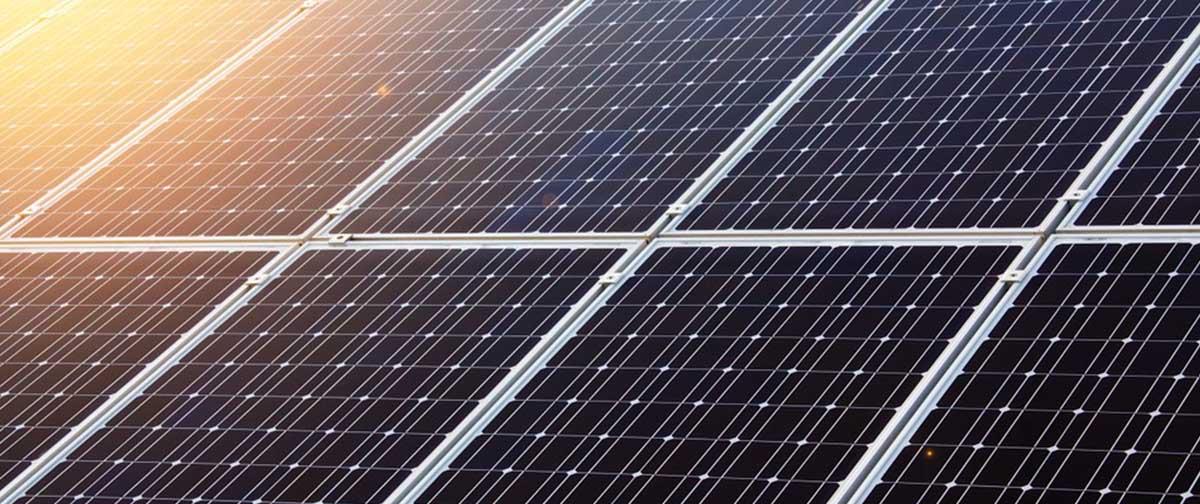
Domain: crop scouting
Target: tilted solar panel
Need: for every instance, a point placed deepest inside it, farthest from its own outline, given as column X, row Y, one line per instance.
column 606, row 126
column 20, row 14
column 963, row 114
column 335, row 381
column 1156, row 183
column 729, row 374
column 283, row 139
column 1084, row 392
column 91, row 75
column 76, row 326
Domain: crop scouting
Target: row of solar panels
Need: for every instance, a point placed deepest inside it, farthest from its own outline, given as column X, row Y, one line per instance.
column 237, row 118
column 768, row 371
column 715, row 372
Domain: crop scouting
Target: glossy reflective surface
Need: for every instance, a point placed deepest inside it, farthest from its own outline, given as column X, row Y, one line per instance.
column 333, row 383
column 962, row 114
column 716, row 374
column 77, row 326
column 611, row 121
column 291, row 132
column 1085, row 392
column 1156, row 183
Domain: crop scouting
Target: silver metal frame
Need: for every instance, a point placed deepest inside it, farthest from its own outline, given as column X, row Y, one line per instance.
column 883, row 451
column 550, row 343
column 824, row 60
column 7, row 43
column 886, row 455
column 152, row 123
column 1037, row 242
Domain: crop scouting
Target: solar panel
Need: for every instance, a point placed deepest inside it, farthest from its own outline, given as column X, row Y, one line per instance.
column 287, row 136
column 1084, row 392
column 90, row 75
column 335, row 381
column 607, row 125
column 76, row 326
column 20, row 14
column 965, row 114
column 1156, row 184
column 729, row 374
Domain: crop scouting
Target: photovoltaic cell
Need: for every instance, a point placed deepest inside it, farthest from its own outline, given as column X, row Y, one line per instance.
column 1084, row 392
column 609, row 123
column 288, row 135
column 1156, row 182
column 76, row 326
column 952, row 114
column 20, row 14
column 90, row 75
column 334, row 382
column 728, row 374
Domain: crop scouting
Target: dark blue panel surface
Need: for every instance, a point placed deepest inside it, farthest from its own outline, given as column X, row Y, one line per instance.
column 75, row 327
column 718, row 374
column 959, row 114
column 609, row 123
column 334, row 382
column 1086, row 391
column 1158, row 181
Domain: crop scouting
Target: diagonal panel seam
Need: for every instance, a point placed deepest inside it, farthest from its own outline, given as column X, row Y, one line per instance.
column 1128, row 132
column 152, row 123
column 917, row 409
column 116, row 402
column 7, row 43
column 447, row 118
column 704, row 184
column 425, row 475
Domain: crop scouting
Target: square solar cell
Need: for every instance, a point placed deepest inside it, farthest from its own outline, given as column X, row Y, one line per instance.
column 21, row 14
column 728, row 374
column 1084, row 392
column 291, row 132
column 610, row 122
column 334, row 382
column 1156, row 183
column 959, row 114
column 77, row 326
column 92, row 74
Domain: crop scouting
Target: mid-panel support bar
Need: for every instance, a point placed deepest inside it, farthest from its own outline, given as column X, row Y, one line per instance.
column 1128, row 132
column 491, row 405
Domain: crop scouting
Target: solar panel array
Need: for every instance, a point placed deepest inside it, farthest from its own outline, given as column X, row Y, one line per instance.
column 334, row 382
column 76, row 326
column 610, row 123
column 279, row 142
column 22, row 15
column 517, row 251
column 88, row 77
column 952, row 115
column 729, row 374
